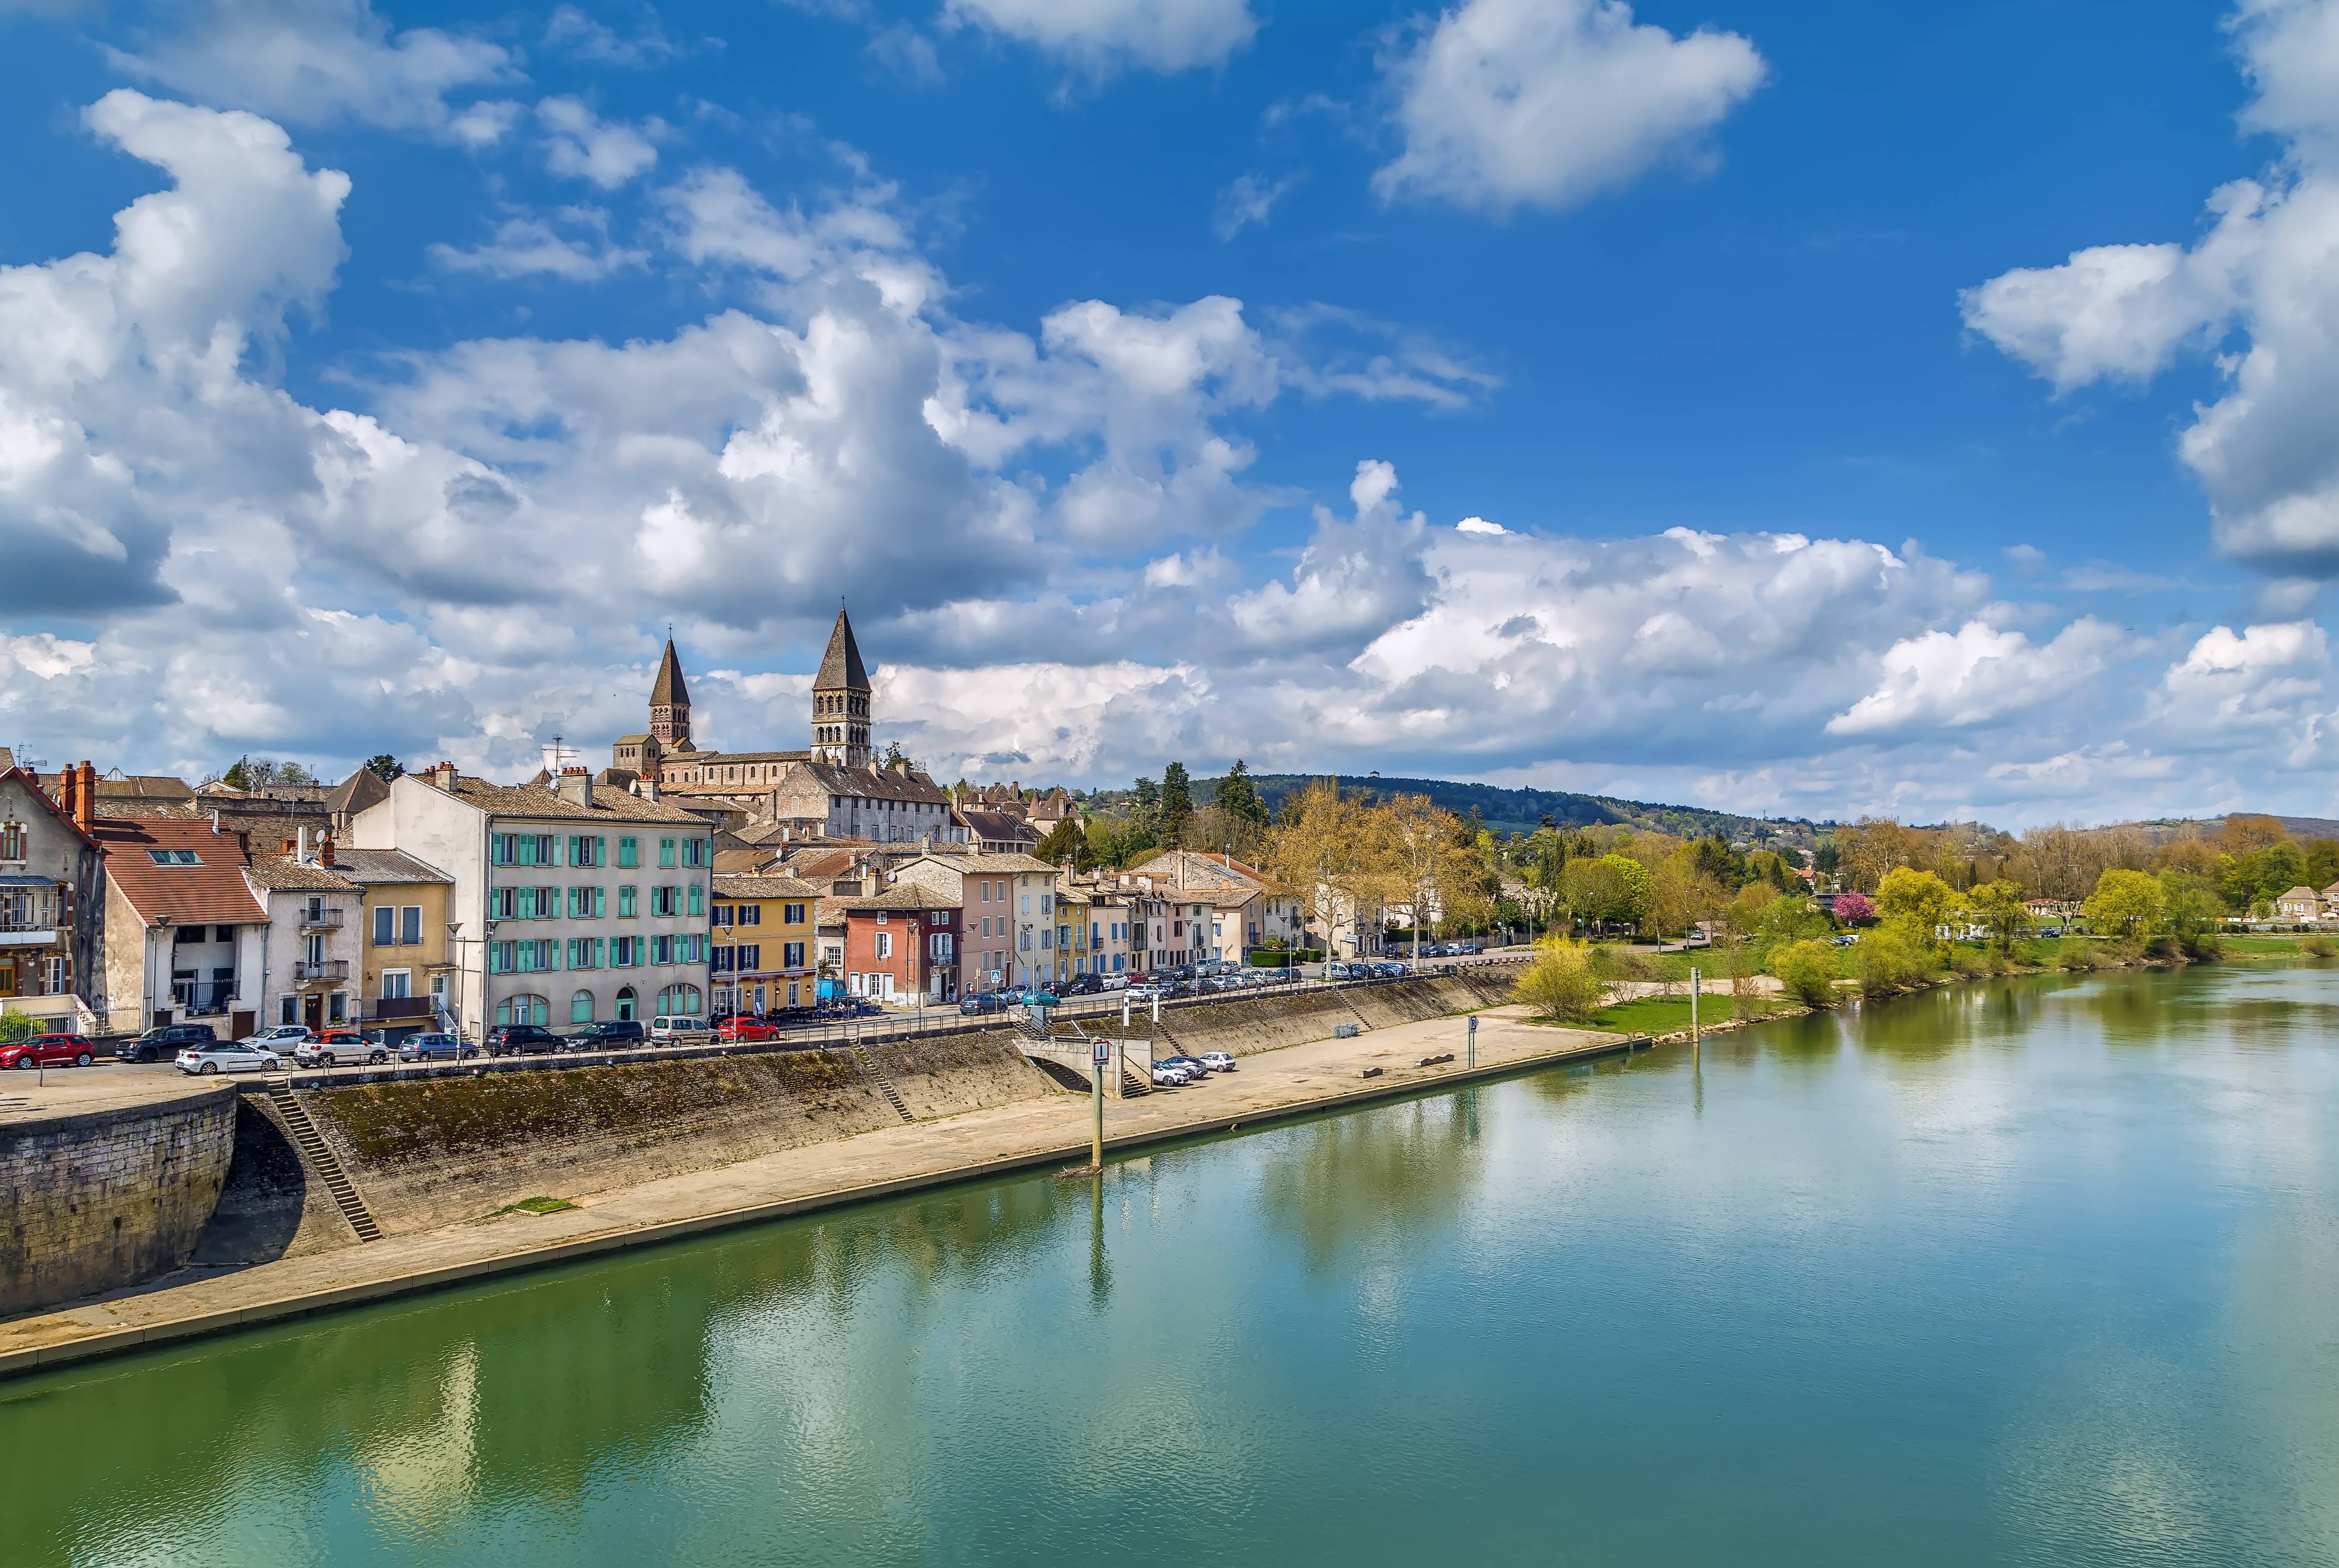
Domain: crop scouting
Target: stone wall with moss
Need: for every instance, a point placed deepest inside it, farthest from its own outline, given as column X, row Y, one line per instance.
column 426, row 1151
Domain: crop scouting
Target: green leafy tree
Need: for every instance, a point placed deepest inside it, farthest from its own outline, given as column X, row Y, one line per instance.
column 1240, row 798
column 2126, row 903
column 1067, row 842
column 2189, row 912
column 1790, row 919
column 1917, row 902
column 1997, row 907
column 385, row 767
column 1177, row 804
column 1561, row 982
column 1806, row 971
column 1889, row 959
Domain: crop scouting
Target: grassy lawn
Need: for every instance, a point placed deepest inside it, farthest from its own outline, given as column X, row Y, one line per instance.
column 2267, row 946
column 1670, row 1015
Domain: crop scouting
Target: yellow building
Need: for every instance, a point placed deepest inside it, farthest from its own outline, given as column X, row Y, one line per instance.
column 762, row 951
column 406, row 963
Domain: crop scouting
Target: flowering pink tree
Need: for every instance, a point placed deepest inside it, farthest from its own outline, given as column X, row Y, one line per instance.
column 1854, row 908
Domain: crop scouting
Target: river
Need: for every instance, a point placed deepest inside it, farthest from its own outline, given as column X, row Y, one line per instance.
column 2032, row 1271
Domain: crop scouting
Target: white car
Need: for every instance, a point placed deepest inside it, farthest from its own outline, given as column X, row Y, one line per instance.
column 228, row 1056
column 281, row 1037
column 340, row 1048
column 678, row 1029
column 1218, row 1062
column 1168, row 1077
column 1114, row 981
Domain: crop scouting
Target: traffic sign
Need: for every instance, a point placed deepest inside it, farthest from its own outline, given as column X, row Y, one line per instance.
column 1102, row 1051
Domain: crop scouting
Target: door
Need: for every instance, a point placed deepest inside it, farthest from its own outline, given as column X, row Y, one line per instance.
column 312, row 1011
column 10, row 983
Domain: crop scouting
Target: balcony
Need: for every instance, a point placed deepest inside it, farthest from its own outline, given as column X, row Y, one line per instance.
column 321, row 920
column 37, row 929
column 324, row 972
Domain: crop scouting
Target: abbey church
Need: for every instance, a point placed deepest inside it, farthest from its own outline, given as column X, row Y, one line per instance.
column 832, row 789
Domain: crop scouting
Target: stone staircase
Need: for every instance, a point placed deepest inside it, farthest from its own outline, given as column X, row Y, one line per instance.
column 306, row 1139
column 880, row 1082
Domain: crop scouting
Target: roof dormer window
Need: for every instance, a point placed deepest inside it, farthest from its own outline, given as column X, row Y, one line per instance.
column 174, row 857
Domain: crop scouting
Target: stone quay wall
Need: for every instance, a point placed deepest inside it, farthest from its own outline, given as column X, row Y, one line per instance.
column 92, row 1200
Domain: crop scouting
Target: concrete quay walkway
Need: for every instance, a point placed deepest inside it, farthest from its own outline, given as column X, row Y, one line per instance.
column 1297, row 1080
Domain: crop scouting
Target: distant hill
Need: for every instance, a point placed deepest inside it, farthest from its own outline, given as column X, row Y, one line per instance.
column 1522, row 811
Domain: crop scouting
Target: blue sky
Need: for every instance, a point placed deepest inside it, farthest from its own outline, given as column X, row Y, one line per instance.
column 1877, row 414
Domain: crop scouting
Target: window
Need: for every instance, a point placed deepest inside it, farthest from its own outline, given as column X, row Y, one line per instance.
column 697, row 898
column 693, row 851
column 884, row 944
column 396, row 984
column 661, row 950
column 337, row 1007
column 409, row 925
column 629, row 854
column 288, row 1009
column 625, row 902
column 794, row 955
column 628, row 1003
column 524, row 1009
column 585, row 850
column 678, row 1000
column 625, row 951
column 665, row 855
column 174, row 857
column 751, row 956
column 588, row 902
column 501, row 957
column 12, row 841
column 721, row 914
column 580, row 1008
column 792, row 913
column 750, row 914
column 385, row 925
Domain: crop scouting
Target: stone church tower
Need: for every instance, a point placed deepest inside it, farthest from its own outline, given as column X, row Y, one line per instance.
column 670, row 705
column 840, row 702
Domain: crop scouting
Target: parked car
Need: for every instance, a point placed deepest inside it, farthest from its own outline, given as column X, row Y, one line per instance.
column 1218, row 1060
column 981, row 1002
column 1037, row 996
column 1345, row 971
column 1389, row 970
column 608, row 1034
column 744, row 1029
column 679, row 1029
column 49, row 1051
column 340, row 1048
column 279, row 1038
column 522, row 1038
column 1083, row 985
column 1192, row 1064
column 1113, row 982
column 228, row 1056
column 164, row 1041
column 1166, row 1076
column 432, row 1047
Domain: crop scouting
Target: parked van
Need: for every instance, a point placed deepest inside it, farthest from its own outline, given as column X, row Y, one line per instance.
column 679, row 1029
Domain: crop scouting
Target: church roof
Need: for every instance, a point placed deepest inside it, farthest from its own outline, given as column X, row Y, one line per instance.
column 669, row 692
column 840, row 666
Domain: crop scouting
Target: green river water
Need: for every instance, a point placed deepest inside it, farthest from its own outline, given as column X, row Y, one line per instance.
column 2037, row 1271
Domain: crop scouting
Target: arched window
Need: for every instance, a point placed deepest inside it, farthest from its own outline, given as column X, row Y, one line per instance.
column 524, row 1009
column 580, row 1008
column 628, row 1003
column 678, row 1000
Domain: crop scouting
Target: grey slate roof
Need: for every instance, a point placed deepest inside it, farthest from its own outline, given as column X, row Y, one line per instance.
column 283, row 874
column 534, row 801
column 367, row 866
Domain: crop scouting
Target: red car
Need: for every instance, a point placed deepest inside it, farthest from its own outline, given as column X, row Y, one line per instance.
column 49, row 1051
column 745, row 1029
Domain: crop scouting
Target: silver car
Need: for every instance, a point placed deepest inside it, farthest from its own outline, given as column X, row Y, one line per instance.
column 228, row 1056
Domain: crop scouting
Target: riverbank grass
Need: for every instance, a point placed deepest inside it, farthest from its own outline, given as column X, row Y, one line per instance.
column 536, row 1206
column 1655, row 1015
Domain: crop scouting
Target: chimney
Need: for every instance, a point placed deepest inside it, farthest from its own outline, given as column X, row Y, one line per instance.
column 442, row 777
column 576, row 786
column 69, row 792
column 86, row 798
column 325, row 850
column 288, row 846
column 302, row 854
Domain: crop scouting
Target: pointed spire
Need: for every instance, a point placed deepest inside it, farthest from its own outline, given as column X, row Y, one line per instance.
column 840, row 667
column 669, row 692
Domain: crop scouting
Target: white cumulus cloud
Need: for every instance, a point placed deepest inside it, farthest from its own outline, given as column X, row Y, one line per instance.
column 1503, row 104
column 1100, row 37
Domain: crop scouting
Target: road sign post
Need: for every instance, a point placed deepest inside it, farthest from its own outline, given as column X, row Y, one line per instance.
column 1474, row 1039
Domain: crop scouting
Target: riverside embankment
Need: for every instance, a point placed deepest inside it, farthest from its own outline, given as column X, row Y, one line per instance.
column 1044, row 1128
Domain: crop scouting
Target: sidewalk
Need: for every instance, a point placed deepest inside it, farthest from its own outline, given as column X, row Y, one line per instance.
column 1297, row 1080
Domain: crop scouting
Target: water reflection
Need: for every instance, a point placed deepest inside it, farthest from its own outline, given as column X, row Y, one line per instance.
column 2008, row 1260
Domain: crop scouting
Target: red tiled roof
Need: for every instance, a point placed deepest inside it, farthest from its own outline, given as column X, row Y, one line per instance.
column 212, row 892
